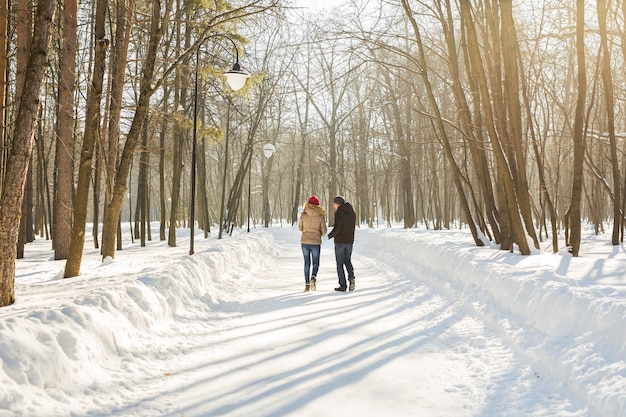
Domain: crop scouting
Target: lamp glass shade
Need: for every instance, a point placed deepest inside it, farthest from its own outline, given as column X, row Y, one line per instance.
column 236, row 77
column 268, row 150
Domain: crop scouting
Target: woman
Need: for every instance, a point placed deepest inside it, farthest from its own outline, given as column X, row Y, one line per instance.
column 312, row 224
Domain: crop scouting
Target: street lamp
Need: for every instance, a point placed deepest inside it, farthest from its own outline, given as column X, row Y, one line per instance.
column 268, row 150
column 236, row 79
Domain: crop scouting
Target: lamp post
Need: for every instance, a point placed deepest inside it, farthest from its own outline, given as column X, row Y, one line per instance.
column 236, row 79
column 249, row 186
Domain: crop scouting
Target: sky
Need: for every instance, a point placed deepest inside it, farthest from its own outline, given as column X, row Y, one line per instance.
column 435, row 327
column 315, row 5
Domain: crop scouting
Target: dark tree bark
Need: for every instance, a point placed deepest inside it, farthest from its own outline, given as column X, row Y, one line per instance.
column 440, row 127
column 92, row 130
column 162, row 137
column 607, row 82
column 505, row 187
column 21, row 150
column 512, row 99
column 114, row 206
column 24, row 35
column 180, row 96
column 4, row 27
column 124, row 11
column 578, row 138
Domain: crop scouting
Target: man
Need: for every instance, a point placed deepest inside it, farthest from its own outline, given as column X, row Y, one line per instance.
column 343, row 233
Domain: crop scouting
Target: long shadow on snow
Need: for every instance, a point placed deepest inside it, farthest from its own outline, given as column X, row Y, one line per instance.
column 359, row 352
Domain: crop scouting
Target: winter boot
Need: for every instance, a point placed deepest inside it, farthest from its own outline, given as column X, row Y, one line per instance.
column 351, row 286
column 307, row 288
column 313, row 283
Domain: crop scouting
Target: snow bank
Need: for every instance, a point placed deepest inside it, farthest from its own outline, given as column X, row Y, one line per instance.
column 96, row 329
column 566, row 330
column 66, row 343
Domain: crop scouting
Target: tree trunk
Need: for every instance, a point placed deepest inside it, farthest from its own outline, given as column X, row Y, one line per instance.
column 256, row 118
column 222, row 218
column 332, row 162
column 24, row 34
column 180, row 96
column 43, row 195
column 114, row 207
column 297, row 192
column 267, row 211
column 579, row 137
column 607, row 82
column 472, row 133
column 4, row 27
column 544, row 195
column 203, row 213
column 142, row 186
column 440, row 127
column 92, row 129
column 98, row 169
column 401, row 139
column 162, row 137
column 26, row 222
column 177, row 172
column 119, row 61
column 21, row 150
column 62, row 224
column 503, row 169
column 512, row 98
column 361, row 147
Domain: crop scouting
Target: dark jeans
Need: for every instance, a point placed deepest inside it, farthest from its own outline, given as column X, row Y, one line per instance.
column 343, row 256
column 310, row 253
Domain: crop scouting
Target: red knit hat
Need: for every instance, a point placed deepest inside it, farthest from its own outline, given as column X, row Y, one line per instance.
column 314, row 200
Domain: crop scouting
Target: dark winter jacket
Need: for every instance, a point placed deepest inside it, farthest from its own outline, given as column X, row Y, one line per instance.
column 345, row 222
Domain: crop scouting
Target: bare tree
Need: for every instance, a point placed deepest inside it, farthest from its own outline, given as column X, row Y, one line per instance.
column 574, row 215
column 334, row 79
column 24, row 34
column 147, row 88
column 440, row 126
column 273, row 67
column 607, row 82
column 180, row 97
column 92, row 130
column 109, row 144
column 21, row 149
column 4, row 27
column 64, row 179
column 514, row 112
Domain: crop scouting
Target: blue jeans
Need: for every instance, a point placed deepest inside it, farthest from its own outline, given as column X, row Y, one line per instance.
column 311, row 253
column 343, row 256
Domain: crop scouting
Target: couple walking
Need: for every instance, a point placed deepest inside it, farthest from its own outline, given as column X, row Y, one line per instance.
column 312, row 224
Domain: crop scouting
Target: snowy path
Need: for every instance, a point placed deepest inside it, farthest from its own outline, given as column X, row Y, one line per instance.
column 394, row 347
column 436, row 328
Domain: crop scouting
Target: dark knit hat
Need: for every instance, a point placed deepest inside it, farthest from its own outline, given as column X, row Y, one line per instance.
column 339, row 200
column 314, row 200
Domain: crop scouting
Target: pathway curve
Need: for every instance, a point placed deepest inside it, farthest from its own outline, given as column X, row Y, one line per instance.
column 393, row 347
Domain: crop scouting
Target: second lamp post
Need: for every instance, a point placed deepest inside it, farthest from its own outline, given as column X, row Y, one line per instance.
column 236, row 79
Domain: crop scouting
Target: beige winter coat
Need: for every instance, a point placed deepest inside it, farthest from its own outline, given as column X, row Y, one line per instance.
column 312, row 224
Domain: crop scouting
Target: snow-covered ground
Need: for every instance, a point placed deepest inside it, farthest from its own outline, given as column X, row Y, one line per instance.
column 436, row 327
